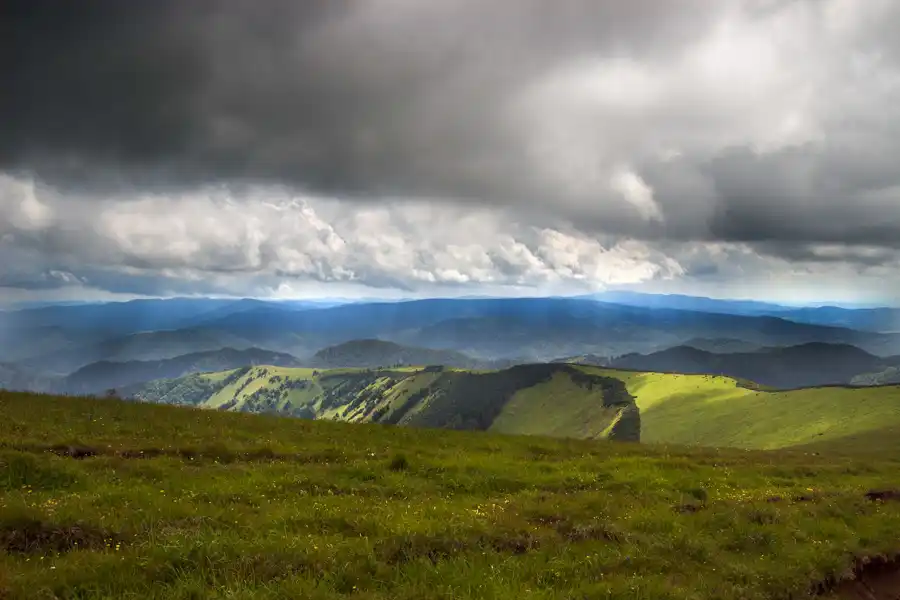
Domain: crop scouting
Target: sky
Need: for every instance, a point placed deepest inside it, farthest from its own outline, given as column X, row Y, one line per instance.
column 400, row 148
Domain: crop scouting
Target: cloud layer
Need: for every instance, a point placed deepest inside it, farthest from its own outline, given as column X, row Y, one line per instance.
column 214, row 239
column 413, row 145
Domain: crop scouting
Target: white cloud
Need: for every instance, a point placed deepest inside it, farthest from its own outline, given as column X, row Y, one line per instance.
column 269, row 241
column 20, row 208
column 636, row 191
column 275, row 235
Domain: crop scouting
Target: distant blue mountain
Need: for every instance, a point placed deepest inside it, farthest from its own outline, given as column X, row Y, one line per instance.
column 682, row 302
column 59, row 340
column 883, row 319
column 135, row 316
column 866, row 319
column 145, row 346
column 103, row 375
column 537, row 326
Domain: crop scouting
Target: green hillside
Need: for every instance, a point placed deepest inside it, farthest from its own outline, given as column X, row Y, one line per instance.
column 559, row 400
column 374, row 353
column 511, row 400
column 720, row 411
column 105, row 499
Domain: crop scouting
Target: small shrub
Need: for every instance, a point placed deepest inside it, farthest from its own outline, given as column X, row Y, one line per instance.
column 399, row 463
column 699, row 494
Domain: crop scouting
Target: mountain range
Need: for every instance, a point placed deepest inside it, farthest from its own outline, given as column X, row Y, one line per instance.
column 105, row 375
column 804, row 365
column 534, row 329
column 882, row 319
column 85, row 348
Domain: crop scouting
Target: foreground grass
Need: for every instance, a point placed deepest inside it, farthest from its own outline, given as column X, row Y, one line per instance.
column 238, row 506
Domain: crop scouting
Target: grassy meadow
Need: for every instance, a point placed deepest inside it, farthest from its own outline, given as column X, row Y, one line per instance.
column 118, row 500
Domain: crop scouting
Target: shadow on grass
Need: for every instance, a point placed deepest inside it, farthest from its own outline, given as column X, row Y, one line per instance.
column 30, row 536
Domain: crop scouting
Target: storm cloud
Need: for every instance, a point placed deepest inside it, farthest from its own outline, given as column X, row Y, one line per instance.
column 401, row 144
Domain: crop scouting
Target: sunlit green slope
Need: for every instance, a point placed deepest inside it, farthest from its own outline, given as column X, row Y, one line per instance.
column 719, row 411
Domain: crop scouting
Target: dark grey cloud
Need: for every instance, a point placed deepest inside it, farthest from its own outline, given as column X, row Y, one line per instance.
column 807, row 194
column 769, row 126
column 360, row 98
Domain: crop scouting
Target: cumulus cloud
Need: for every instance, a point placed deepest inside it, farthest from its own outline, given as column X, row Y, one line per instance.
column 402, row 144
column 210, row 240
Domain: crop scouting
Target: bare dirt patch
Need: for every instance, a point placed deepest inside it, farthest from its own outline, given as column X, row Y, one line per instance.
column 29, row 536
column 213, row 453
column 871, row 578
column 76, row 452
column 876, row 579
column 689, row 508
column 884, row 495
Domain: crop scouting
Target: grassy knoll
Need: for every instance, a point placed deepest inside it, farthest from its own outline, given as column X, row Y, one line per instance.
column 171, row 502
column 717, row 411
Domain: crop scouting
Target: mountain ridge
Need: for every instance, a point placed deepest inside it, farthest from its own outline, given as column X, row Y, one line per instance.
column 518, row 329
column 373, row 352
column 803, row 365
column 108, row 375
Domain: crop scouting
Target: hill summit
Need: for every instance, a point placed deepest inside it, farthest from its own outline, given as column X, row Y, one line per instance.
column 380, row 353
